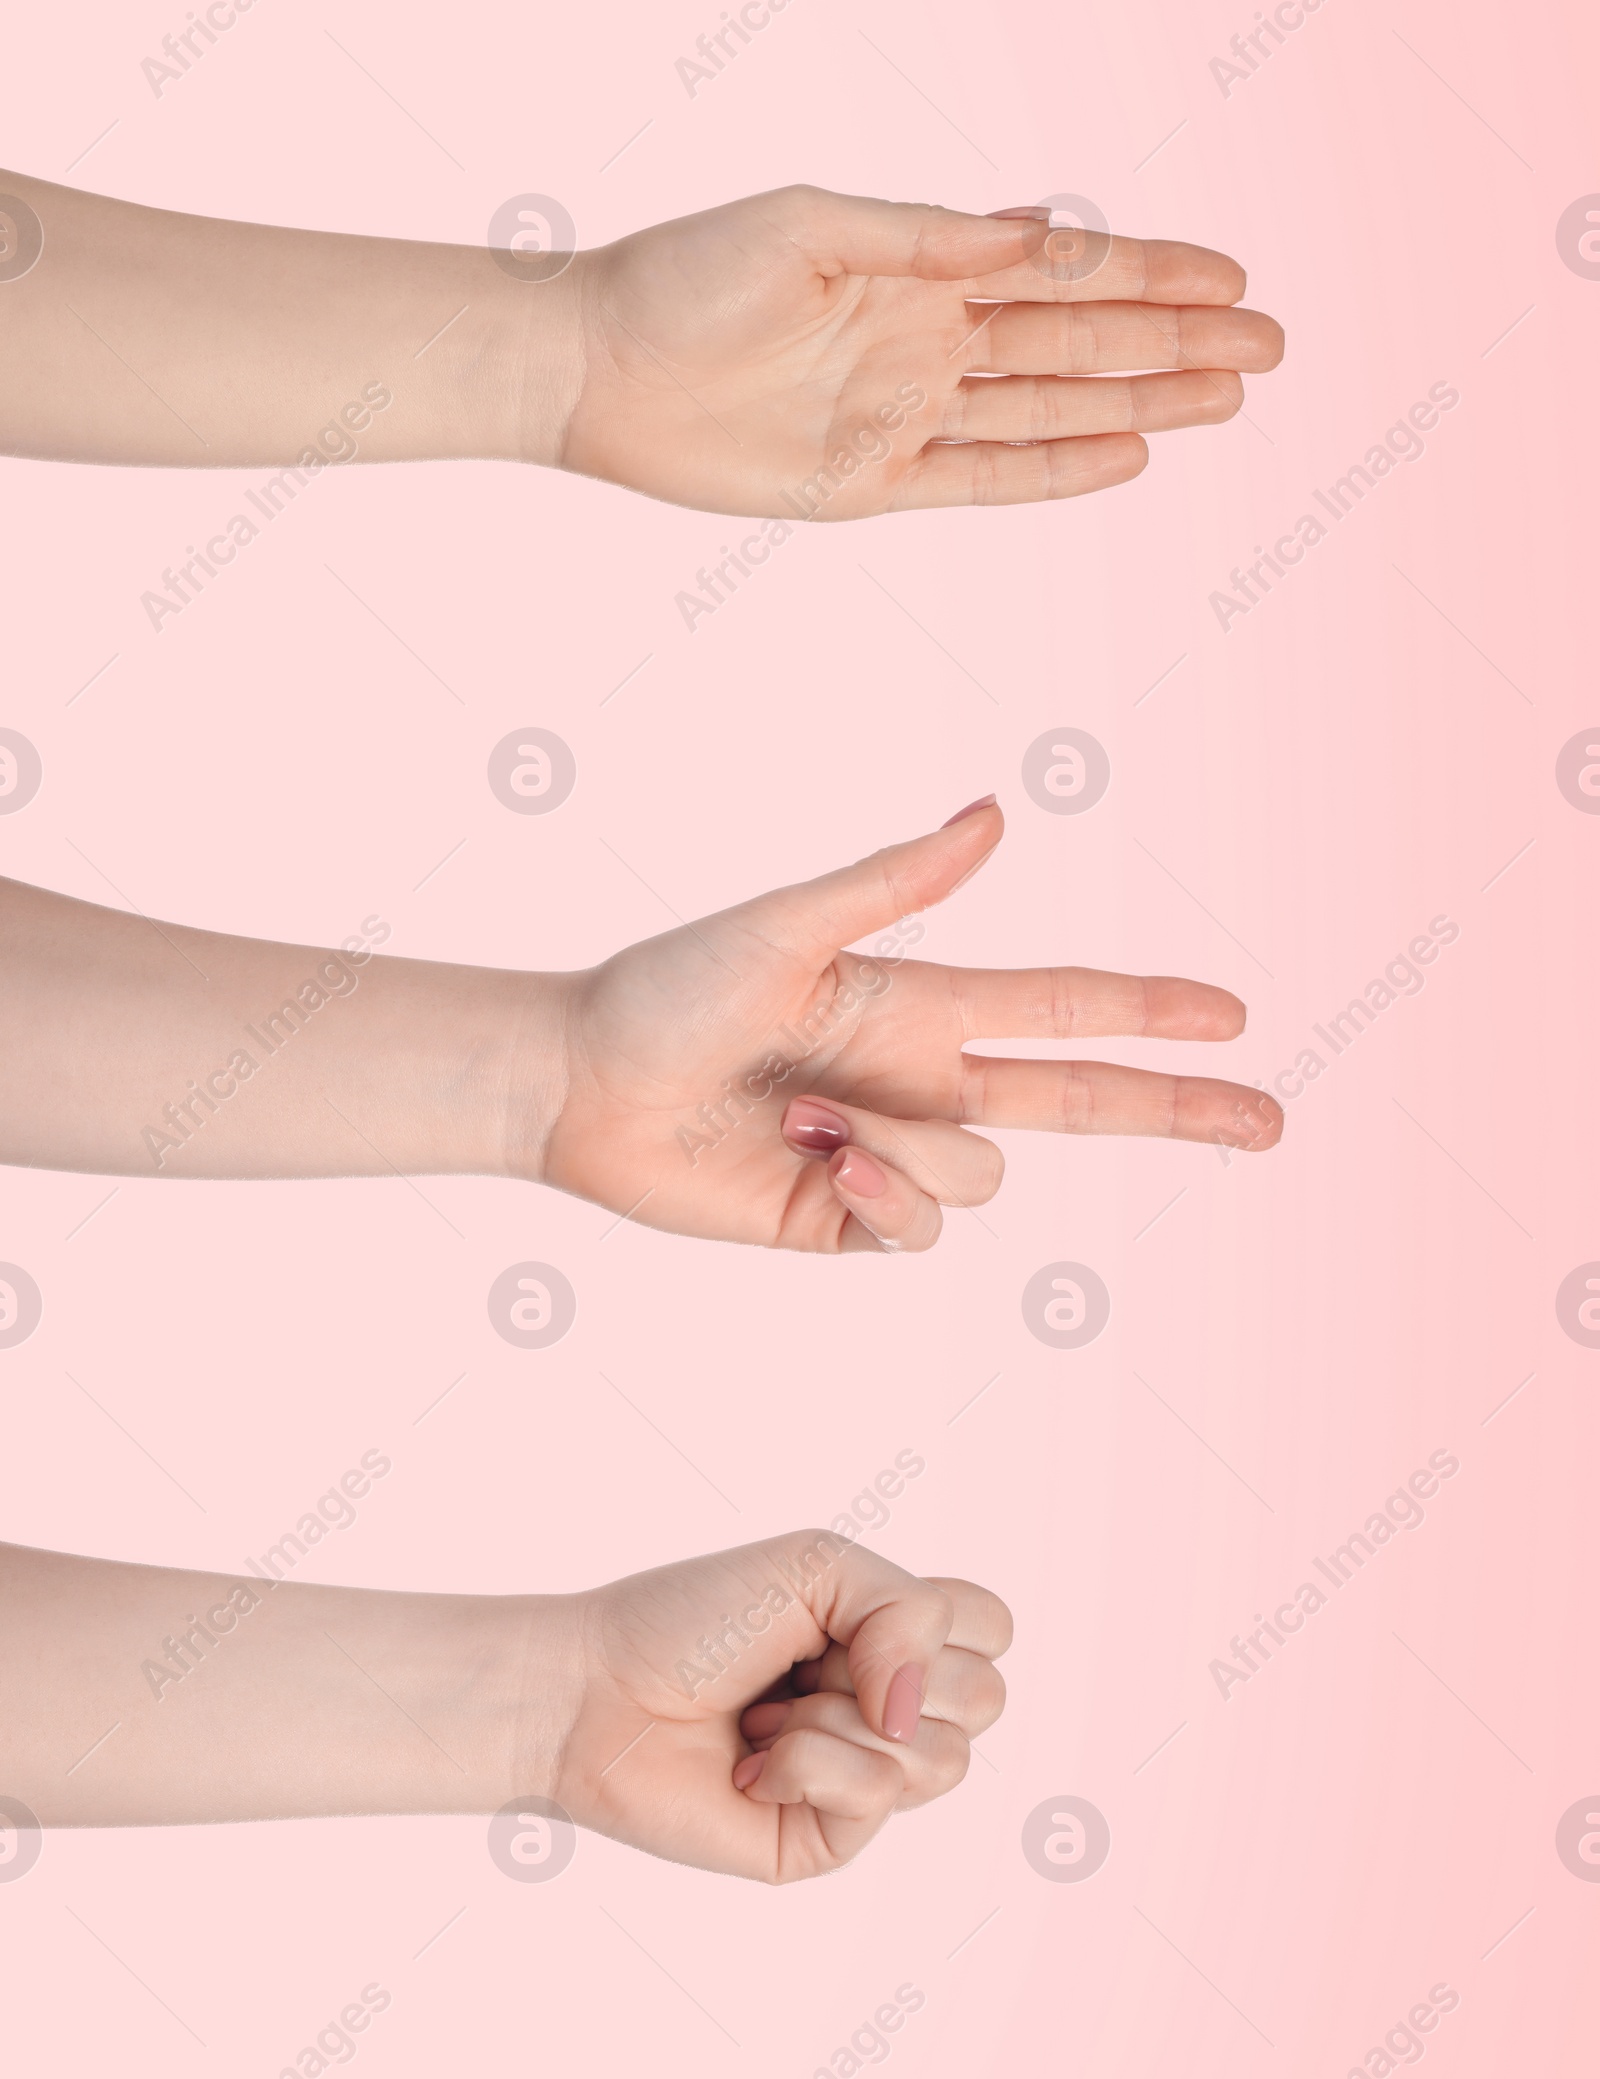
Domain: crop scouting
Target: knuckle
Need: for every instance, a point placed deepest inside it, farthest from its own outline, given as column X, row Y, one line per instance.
column 985, row 1698
column 990, row 1170
column 802, row 1752
column 951, row 1762
column 885, row 1774
column 1078, row 341
column 938, row 1606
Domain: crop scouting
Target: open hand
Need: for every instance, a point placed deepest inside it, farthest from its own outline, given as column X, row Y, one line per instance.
column 809, row 355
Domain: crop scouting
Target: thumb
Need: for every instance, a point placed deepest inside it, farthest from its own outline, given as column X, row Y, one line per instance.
column 854, row 234
column 814, row 919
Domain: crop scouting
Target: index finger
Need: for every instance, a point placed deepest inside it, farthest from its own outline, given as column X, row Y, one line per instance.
column 891, row 1624
column 979, row 1620
column 1090, row 1003
column 1092, row 266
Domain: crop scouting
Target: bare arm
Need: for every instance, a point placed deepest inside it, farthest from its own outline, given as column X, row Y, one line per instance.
column 133, row 1048
column 782, row 1738
column 238, row 1697
column 744, row 1078
column 797, row 355
column 146, row 336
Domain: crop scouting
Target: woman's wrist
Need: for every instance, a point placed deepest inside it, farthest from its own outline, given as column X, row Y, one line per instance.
column 533, row 1686
column 512, row 1074
column 251, row 1696
column 474, row 1065
column 520, row 374
column 505, row 1684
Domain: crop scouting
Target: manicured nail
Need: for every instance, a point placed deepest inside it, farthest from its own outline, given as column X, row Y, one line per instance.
column 748, row 1770
column 1039, row 211
column 809, row 1123
column 971, row 809
column 858, row 1173
column 902, row 1707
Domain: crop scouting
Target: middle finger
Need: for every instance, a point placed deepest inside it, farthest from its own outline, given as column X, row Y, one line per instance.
column 1102, row 1097
column 1102, row 338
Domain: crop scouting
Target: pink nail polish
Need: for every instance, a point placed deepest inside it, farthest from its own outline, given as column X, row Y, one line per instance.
column 858, row 1173
column 810, row 1124
column 902, row 1707
column 971, row 809
column 748, row 1770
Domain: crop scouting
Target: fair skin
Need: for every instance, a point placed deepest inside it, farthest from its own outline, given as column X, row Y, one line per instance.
column 717, row 361
column 771, row 1706
column 743, row 1078
column 763, row 1711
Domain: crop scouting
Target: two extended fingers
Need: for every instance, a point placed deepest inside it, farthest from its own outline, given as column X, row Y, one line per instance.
column 891, row 1175
column 1040, row 414
column 1044, row 374
column 1102, row 1097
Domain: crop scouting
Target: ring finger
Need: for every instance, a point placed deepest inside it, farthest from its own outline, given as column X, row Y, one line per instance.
column 955, row 1167
column 1031, row 407
column 934, row 1761
column 890, row 1175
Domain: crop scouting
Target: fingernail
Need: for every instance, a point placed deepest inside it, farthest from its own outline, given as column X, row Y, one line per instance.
column 902, row 1707
column 1039, row 211
column 858, row 1173
column 971, row 809
column 809, row 1123
column 748, row 1770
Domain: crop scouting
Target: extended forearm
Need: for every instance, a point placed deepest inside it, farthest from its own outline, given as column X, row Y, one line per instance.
column 144, row 336
column 146, row 1696
column 135, row 1048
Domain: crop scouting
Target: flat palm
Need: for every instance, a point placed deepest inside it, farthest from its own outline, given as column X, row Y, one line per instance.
column 729, row 356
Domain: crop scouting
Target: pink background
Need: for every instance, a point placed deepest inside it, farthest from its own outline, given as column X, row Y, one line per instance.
column 1301, row 1863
